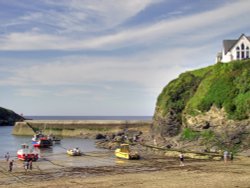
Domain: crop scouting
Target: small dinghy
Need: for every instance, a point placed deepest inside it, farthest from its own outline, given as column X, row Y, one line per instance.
column 74, row 152
column 124, row 152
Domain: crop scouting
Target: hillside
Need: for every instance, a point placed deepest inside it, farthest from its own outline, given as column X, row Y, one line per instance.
column 8, row 117
column 214, row 101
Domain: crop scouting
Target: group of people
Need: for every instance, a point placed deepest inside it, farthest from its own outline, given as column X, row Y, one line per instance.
column 76, row 150
column 27, row 165
column 11, row 162
column 226, row 156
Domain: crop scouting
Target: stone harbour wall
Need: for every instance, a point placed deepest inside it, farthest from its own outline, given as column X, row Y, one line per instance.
column 78, row 128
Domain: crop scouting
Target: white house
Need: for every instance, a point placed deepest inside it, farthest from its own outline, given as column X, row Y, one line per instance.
column 235, row 49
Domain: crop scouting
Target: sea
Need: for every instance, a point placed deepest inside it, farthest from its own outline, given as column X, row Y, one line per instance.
column 11, row 143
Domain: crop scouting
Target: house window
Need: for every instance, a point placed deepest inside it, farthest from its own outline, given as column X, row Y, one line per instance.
column 238, row 53
column 247, row 52
column 242, row 55
column 242, row 46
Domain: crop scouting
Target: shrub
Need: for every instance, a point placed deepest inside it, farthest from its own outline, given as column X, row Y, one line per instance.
column 189, row 134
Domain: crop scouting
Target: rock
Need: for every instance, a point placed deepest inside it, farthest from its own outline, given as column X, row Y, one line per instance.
column 214, row 149
column 206, row 126
column 167, row 126
column 8, row 117
column 120, row 133
column 119, row 138
column 168, row 146
column 236, row 141
column 100, row 136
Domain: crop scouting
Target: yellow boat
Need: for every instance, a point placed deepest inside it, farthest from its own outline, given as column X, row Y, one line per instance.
column 74, row 152
column 125, row 153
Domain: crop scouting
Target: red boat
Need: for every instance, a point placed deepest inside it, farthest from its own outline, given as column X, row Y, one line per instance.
column 40, row 140
column 26, row 154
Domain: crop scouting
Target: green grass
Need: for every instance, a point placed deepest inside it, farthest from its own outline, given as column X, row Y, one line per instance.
column 189, row 134
column 225, row 85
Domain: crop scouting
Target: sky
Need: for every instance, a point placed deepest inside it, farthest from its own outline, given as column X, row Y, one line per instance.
column 107, row 57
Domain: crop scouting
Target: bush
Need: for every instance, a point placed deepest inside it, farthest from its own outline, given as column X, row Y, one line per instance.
column 189, row 134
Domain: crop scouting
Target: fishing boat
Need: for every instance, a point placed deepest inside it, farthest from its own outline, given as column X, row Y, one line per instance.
column 124, row 152
column 41, row 140
column 74, row 152
column 56, row 140
column 26, row 154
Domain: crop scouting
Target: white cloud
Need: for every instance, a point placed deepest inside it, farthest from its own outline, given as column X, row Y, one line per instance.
column 31, row 92
column 208, row 24
column 71, row 92
column 146, row 70
column 70, row 16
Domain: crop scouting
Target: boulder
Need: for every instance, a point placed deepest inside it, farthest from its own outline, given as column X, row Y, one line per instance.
column 100, row 136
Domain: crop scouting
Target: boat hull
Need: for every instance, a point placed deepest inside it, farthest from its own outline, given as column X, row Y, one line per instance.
column 27, row 155
column 44, row 143
column 121, row 155
column 126, row 155
column 72, row 153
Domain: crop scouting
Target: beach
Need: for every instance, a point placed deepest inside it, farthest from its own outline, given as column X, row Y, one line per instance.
column 150, row 171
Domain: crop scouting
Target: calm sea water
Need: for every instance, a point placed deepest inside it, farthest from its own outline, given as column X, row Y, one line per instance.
column 11, row 143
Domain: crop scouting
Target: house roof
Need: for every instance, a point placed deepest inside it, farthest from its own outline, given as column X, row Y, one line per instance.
column 228, row 44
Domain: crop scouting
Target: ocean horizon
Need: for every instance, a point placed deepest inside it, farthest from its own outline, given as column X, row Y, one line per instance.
column 89, row 117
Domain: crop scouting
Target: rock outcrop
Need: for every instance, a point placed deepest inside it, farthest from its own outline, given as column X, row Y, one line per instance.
column 209, row 108
column 8, row 117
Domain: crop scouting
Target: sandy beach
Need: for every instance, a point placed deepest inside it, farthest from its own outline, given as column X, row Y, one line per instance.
column 151, row 171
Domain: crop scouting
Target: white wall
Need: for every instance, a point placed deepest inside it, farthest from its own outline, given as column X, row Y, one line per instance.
column 232, row 55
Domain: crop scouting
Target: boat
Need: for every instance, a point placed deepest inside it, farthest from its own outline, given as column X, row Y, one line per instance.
column 56, row 140
column 26, row 154
column 74, row 152
column 124, row 152
column 41, row 140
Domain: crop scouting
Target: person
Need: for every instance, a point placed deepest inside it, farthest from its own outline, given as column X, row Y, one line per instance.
column 225, row 156
column 11, row 163
column 181, row 157
column 7, row 156
column 155, row 143
column 26, row 166
column 30, row 164
column 231, row 156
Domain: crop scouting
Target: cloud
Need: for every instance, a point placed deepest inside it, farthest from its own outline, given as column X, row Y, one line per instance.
column 163, row 31
column 72, row 16
column 72, row 92
column 31, row 92
column 143, row 70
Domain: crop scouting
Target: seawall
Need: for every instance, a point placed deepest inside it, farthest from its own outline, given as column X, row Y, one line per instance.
column 78, row 128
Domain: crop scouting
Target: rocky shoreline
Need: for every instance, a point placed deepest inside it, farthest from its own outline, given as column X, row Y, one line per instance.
column 8, row 117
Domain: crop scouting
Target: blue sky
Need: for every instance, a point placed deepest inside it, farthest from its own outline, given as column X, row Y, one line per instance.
column 107, row 57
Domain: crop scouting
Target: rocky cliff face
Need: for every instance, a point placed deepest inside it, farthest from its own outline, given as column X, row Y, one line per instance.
column 8, row 117
column 210, row 106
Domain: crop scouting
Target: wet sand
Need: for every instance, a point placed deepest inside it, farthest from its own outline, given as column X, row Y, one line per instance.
column 102, row 169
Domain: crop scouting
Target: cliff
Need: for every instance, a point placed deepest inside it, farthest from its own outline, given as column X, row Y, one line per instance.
column 8, row 117
column 209, row 106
